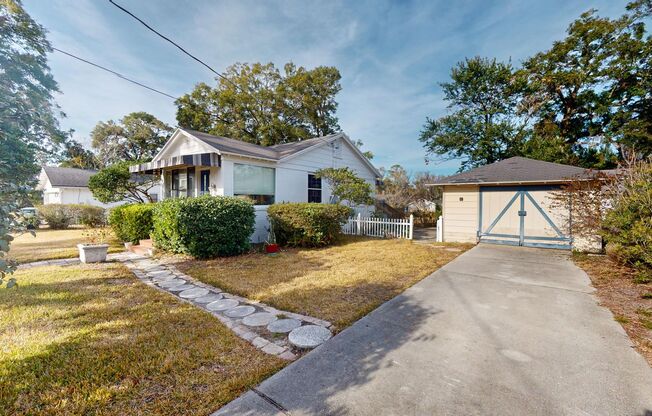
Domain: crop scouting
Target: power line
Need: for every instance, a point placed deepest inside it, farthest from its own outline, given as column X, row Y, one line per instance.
column 171, row 41
column 113, row 72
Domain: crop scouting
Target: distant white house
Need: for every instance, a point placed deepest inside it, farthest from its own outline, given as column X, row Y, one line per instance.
column 68, row 186
column 193, row 163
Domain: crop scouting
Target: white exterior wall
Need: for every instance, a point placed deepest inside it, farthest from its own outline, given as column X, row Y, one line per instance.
column 76, row 195
column 460, row 212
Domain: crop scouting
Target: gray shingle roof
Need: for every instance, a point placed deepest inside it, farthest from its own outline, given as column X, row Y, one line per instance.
column 276, row 152
column 68, row 177
column 517, row 170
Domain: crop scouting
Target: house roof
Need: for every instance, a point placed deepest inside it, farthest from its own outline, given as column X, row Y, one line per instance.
column 518, row 170
column 68, row 177
column 276, row 152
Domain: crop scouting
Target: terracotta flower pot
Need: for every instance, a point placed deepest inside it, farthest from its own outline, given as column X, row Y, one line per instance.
column 271, row 248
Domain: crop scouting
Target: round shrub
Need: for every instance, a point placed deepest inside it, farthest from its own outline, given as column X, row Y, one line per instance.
column 57, row 216
column 308, row 224
column 90, row 215
column 132, row 222
column 204, row 227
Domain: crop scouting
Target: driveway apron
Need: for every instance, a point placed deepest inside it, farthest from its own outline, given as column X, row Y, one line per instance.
column 498, row 331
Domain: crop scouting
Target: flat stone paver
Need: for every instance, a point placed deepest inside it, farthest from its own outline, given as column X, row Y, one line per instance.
column 283, row 325
column 309, row 336
column 503, row 331
column 259, row 319
column 240, row 311
column 194, row 293
column 181, row 288
column 173, row 282
column 208, row 298
column 222, row 305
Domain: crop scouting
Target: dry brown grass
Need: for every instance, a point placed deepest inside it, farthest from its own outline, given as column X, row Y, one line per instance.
column 631, row 303
column 340, row 283
column 83, row 340
column 52, row 244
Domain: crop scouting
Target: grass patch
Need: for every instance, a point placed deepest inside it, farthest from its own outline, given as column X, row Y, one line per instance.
column 629, row 301
column 92, row 339
column 52, row 244
column 341, row 283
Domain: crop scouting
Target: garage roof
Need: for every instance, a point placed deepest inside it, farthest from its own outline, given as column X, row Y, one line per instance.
column 517, row 170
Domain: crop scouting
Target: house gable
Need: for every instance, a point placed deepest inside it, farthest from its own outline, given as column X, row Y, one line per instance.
column 182, row 143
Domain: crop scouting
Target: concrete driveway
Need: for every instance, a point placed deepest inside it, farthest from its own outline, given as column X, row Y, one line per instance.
column 498, row 331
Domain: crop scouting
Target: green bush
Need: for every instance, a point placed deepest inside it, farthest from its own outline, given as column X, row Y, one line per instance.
column 204, row 227
column 132, row 222
column 57, row 216
column 89, row 215
column 627, row 227
column 308, row 224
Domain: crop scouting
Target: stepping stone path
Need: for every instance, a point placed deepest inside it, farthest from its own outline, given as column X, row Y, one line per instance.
column 275, row 332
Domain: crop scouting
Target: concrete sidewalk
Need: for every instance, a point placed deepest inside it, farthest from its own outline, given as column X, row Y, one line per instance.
column 498, row 331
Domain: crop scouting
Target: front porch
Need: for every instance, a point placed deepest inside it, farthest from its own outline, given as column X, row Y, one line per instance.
column 185, row 175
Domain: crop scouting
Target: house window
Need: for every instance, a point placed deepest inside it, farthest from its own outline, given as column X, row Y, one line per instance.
column 175, row 184
column 254, row 182
column 314, row 188
column 191, row 182
column 204, row 182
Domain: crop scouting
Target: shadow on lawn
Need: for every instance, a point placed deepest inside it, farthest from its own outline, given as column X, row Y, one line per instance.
column 108, row 345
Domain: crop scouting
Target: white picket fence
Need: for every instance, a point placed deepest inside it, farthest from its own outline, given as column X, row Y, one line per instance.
column 380, row 227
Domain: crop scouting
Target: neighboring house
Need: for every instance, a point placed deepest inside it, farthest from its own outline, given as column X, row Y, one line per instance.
column 511, row 202
column 69, row 186
column 193, row 163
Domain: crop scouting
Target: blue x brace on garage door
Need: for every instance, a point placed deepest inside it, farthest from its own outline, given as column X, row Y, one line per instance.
column 526, row 236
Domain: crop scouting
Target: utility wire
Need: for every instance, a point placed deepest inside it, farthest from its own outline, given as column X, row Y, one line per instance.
column 171, row 41
column 113, row 72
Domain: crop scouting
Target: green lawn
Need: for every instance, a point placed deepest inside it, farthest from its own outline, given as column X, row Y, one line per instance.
column 94, row 340
column 52, row 244
column 340, row 284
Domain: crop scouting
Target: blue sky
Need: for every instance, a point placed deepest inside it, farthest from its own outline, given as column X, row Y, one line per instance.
column 391, row 54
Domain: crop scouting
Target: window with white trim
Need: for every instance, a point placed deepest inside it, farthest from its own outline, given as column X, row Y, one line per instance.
column 314, row 188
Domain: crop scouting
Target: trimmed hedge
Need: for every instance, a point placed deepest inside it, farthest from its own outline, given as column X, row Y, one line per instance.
column 132, row 222
column 308, row 224
column 204, row 227
column 90, row 215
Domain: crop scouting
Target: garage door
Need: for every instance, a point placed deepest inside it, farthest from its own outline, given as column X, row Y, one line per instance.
column 523, row 216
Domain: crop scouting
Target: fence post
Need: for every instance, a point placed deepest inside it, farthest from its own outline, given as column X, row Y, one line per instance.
column 411, row 226
column 359, row 223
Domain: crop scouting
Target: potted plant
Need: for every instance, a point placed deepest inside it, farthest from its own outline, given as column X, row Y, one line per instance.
column 95, row 248
column 270, row 245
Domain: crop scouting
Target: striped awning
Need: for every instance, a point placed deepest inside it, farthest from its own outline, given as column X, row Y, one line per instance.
column 202, row 159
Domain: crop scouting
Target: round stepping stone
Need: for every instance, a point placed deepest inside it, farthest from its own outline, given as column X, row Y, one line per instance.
column 172, row 283
column 222, row 305
column 240, row 311
column 259, row 319
column 309, row 336
column 181, row 288
column 193, row 293
column 283, row 325
column 208, row 298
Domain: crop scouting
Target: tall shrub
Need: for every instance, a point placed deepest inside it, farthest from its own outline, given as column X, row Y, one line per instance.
column 204, row 227
column 307, row 224
column 90, row 215
column 132, row 223
column 627, row 227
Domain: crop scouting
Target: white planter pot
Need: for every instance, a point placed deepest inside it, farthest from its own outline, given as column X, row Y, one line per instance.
column 92, row 253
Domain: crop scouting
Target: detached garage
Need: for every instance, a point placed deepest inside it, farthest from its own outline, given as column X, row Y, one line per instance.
column 511, row 202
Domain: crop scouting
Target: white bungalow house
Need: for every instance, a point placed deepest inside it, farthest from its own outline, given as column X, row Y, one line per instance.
column 70, row 186
column 192, row 163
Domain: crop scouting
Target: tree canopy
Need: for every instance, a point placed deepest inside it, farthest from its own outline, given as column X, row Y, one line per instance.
column 256, row 103
column 347, row 186
column 136, row 137
column 29, row 129
column 115, row 183
column 585, row 101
